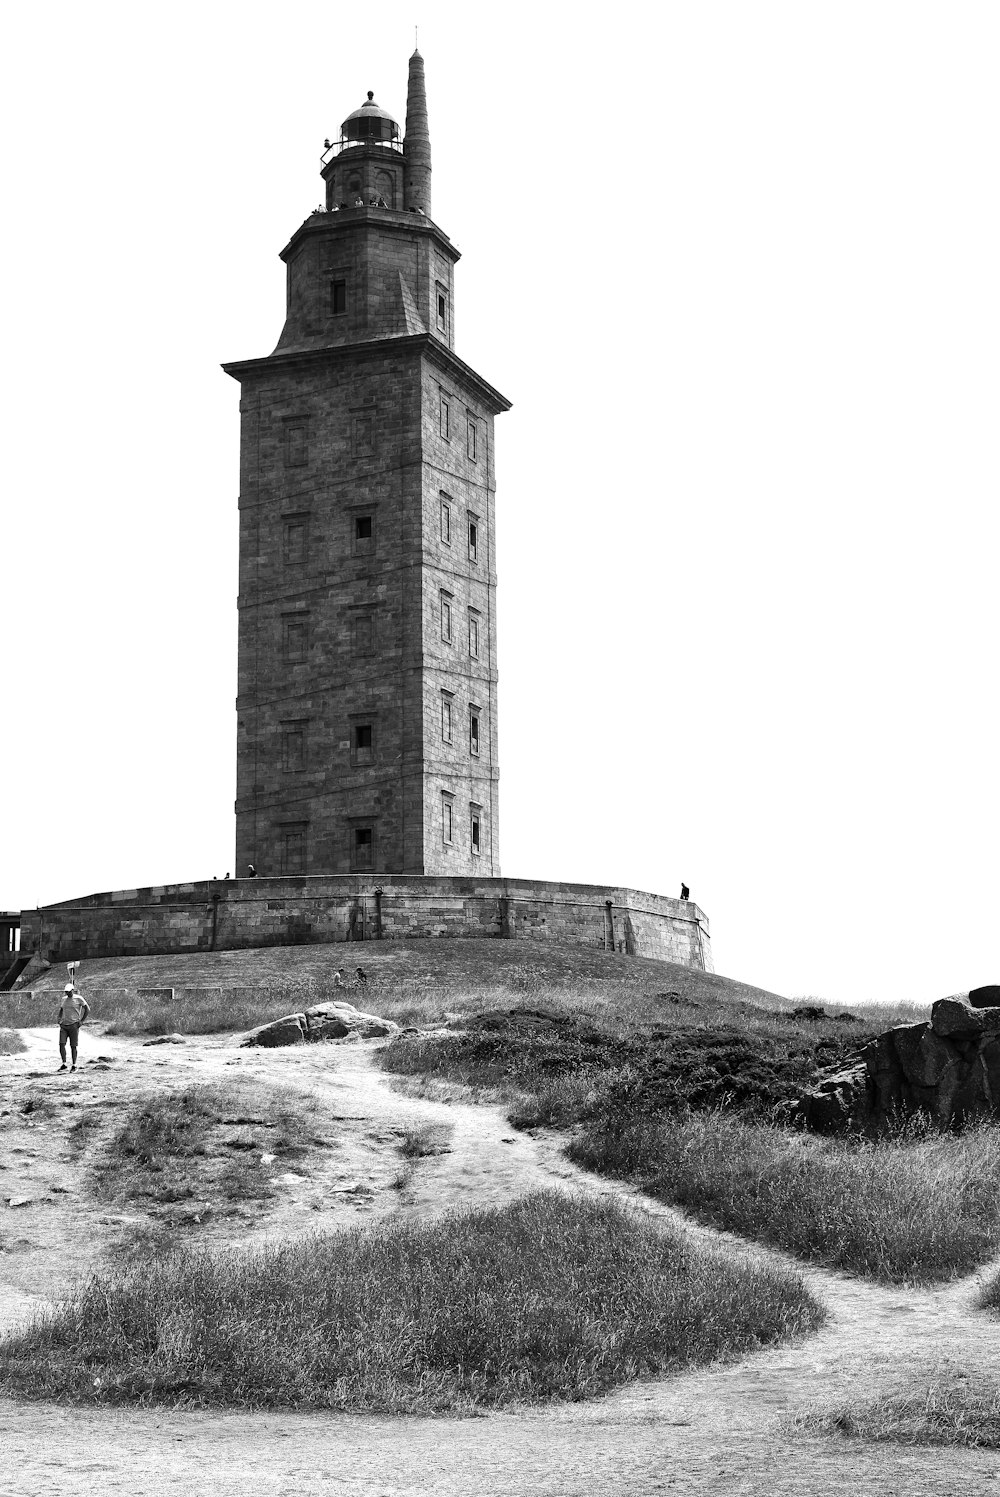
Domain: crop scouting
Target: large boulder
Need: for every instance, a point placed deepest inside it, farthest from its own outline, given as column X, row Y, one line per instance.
column 335, row 1021
column 923, row 1055
column 324, row 1021
column 953, row 1019
column 840, row 1101
column 291, row 1030
column 988, row 997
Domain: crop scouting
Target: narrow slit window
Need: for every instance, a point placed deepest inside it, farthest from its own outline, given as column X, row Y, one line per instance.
column 364, row 535
column 444, row 419
column 446, row 719
column 473, row 540
column 363, row 743
column 338, row 297
column 446, row 522
column 474, row 635
column 363, row 848
column 447, row 820
column 472, row 442
column 476, row 833
column 446, row 618
column 474, row 731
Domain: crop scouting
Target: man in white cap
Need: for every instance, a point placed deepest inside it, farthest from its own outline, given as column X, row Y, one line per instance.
column 72, row 1012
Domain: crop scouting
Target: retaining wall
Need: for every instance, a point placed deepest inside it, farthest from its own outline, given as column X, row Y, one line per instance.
column 225, row 915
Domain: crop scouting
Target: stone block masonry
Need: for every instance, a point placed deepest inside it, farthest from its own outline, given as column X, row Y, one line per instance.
column 229, row 915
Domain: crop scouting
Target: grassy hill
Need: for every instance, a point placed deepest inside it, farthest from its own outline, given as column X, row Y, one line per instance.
column 415, row 982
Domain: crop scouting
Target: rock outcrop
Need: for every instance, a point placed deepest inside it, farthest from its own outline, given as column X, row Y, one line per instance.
column 948, row 1070
column 324, row 1021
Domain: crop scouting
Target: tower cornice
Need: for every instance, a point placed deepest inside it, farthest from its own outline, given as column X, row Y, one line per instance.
column 391, row 219
column 345, row 353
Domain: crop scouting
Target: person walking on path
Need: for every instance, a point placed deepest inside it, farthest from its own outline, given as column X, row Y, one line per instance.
column 72, row 1012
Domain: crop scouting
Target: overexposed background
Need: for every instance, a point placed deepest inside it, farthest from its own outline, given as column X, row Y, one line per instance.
column 736, row 266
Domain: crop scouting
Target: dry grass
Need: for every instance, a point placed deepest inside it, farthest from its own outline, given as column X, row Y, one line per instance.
column 187, row 1153
column 918, row 1207
column 551, row 1297
column 425, row 1140
column 11, row 1042
column 939, row 1403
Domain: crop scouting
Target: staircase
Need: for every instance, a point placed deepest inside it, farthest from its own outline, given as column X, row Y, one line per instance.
column 13, row 972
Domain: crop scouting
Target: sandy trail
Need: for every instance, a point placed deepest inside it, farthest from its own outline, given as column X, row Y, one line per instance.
column 716, row 1430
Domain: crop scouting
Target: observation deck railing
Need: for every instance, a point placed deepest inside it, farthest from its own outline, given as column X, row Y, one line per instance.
column 338, row 147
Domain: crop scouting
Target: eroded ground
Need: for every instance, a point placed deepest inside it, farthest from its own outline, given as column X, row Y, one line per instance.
column 717, row 1430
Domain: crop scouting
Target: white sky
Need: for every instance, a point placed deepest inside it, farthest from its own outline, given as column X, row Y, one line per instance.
column 736, row 264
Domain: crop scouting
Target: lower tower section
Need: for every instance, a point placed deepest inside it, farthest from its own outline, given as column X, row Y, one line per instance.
column 366, row 708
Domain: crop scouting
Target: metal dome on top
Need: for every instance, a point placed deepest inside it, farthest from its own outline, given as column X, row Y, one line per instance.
column 369, row 123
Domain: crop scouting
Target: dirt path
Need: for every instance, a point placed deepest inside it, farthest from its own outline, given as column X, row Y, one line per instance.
column 717, row 1430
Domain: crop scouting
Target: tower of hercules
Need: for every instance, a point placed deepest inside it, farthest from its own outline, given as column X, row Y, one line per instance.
column 366, row 713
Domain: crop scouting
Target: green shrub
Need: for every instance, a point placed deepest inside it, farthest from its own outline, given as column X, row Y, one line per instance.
column 917, row 1207
column 554, row 1296
column 560, row 1068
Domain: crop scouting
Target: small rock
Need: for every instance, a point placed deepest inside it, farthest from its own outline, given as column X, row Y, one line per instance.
column 289, row 1178
column 267, row 1158
column 14, row 1201
column 166, row 1039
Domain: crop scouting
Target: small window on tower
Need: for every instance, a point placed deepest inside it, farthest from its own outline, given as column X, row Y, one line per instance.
column 363, row 848
column 295, row 637
column 474, row 635
column 296, row 444
column 442, row 309
column 446, row 717
column 364, row 634
column 472, row 441
column 293, row 747
column 364, row 535
column 474, row 731
column 292, row 850
column 338, row 297
column 476, row 830
column 362, row 743
column 295, row 540
column 363, row 436
column 447, row 819
column 445, row 603
column 444, row 419
column 446, row 522
column 473, row 539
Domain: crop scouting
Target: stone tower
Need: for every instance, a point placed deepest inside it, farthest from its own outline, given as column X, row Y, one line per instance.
column 366, row 714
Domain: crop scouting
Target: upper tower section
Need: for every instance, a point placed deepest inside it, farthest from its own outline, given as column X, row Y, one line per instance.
column 366, row 167
column 372, row 263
